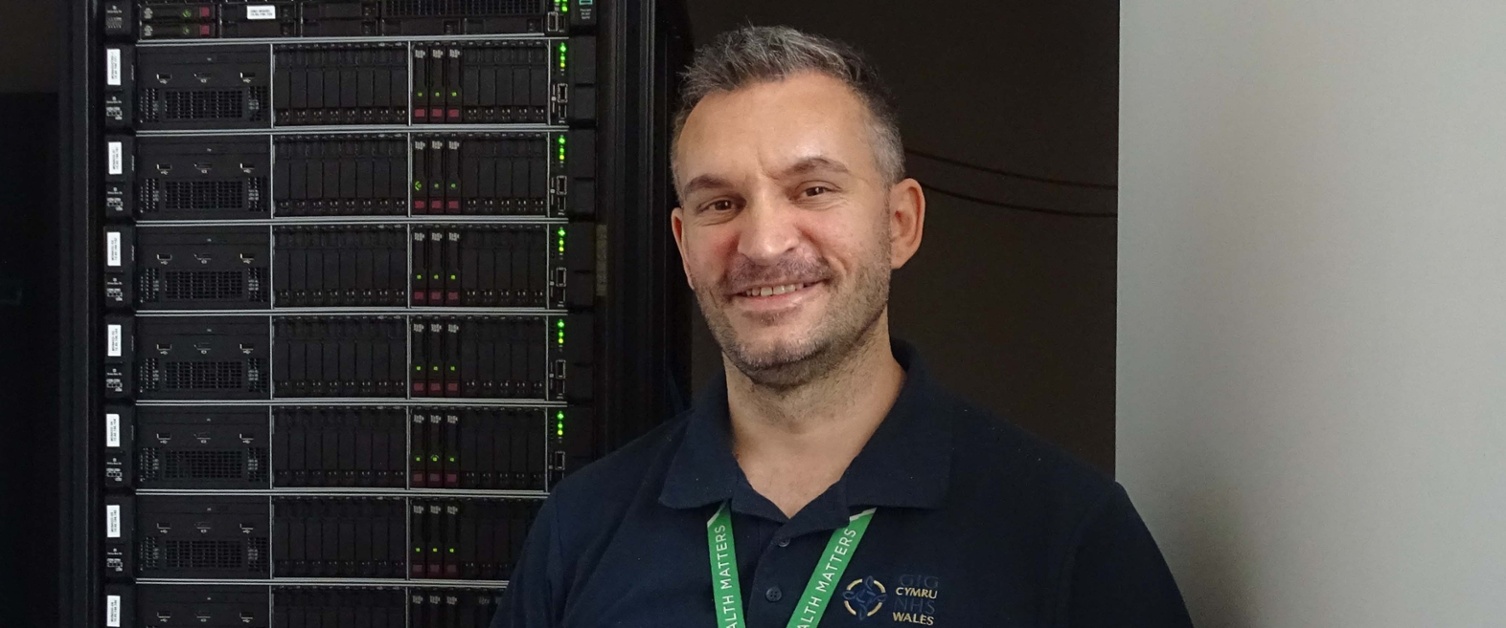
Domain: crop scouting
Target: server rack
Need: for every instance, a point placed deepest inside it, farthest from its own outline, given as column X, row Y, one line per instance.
column 351, row 285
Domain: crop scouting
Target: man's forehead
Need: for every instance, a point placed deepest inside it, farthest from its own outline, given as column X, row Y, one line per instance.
column 806, row 122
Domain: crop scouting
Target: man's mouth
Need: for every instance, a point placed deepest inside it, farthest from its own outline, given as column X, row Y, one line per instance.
column 769, row 291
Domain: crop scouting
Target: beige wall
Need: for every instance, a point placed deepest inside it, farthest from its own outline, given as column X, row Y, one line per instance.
column 1312, row 306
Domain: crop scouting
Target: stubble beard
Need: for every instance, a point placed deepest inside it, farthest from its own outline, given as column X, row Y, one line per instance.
column 791, row 363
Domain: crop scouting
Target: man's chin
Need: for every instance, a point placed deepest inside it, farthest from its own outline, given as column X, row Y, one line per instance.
column 771, row 356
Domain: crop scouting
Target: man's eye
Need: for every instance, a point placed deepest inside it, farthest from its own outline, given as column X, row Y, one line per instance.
column 719, row 206
column 816, row 190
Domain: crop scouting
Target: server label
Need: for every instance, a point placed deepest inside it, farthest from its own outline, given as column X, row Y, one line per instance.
column 112, row 67
column 112, row 521
column 112, row 341
column 112, row 611
column 112, row 430
column 261, row 12
column 112, row 248
column 116, row 158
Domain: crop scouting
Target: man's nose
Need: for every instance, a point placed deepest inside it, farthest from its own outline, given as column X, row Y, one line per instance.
column 768, row 231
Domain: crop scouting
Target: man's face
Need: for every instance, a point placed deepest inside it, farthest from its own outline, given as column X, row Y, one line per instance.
column 785, row 225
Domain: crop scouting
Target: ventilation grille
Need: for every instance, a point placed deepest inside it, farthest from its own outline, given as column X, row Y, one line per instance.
column 246, row 464
column 203, row 195
column 460, row 8
column 204, row 285
column 196, row 375
column 226, row 195
column 234, row 555
column 156, row 286
column 219, row 104
column 185, row 105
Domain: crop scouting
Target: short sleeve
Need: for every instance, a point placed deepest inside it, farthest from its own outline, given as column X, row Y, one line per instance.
column 1117, row 576
column 534, row 596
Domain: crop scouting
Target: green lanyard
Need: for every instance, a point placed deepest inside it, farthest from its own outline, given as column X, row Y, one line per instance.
column 726, row 592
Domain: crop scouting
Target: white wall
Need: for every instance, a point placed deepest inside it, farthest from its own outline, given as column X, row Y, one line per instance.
column 1312, row 306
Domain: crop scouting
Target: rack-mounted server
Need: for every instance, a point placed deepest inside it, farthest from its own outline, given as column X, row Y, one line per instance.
column 358, row 282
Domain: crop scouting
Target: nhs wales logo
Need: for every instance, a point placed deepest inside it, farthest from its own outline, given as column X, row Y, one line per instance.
column 914, row 600
column 864, row 598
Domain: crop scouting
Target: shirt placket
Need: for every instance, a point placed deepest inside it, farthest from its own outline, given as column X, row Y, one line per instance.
column 778, row 580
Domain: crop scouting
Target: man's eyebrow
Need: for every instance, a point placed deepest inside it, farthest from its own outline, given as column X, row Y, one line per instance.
column 814, row 164
column 804, row 166
column 705, row 181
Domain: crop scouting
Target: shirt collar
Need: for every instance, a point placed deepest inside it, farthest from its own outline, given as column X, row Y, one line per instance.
column 907, row 462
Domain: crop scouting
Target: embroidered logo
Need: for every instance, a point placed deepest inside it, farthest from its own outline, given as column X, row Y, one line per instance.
column 863, row 598
column 914, row 599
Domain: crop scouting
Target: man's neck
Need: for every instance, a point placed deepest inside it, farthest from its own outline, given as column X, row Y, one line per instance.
column 793, row 444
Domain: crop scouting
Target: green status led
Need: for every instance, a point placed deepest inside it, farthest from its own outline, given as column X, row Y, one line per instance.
column 418, row 186
column 560, row 323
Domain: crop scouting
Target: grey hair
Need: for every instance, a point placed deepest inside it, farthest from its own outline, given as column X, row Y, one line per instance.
column 756, row 54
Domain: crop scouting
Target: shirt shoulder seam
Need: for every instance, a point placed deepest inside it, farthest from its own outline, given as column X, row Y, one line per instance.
column 1063, row 589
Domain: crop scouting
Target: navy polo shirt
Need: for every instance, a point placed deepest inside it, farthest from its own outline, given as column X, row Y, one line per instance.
column 978, row 524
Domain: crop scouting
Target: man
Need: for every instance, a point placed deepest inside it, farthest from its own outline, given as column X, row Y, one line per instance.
column 827, row 480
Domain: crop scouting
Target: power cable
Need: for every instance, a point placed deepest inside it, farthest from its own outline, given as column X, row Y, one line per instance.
column 1007, row 173
column 1017, row 207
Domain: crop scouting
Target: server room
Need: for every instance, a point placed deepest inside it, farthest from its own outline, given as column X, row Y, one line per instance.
column 488, row 313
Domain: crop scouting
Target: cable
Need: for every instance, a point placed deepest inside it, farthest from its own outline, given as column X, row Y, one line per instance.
column 1023, row 208
column 1006, row 173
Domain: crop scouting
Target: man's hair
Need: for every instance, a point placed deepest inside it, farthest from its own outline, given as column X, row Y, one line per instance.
column 756, row 54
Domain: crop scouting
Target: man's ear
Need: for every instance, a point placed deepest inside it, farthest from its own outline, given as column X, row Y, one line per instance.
column 677, row 226
column 907, row 221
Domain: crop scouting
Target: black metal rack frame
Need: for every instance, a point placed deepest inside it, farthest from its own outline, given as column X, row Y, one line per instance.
column 642, row 305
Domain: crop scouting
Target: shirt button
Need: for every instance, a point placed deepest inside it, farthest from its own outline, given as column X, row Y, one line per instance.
column 773, row 594
column 784, row 542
